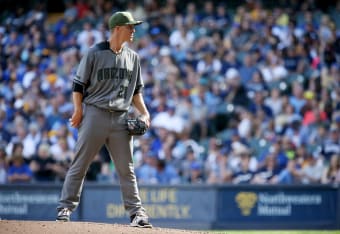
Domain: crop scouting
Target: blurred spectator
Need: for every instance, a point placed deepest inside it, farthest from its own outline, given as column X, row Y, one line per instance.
column 136, row 10
column 258, row 105
column 147, row 172
column 278, row 152
column 196, row 174
column 256, row 83
column 3, row 166
column 236, row 92
column 166, row 152
column 218, row 171
column 181, row 38
column 185, row 167
column 222, row 19
column 331, row 174
column 312, row 169
column 62, row 154
column 82, row 8
column 166, row 173
column 70, row 12
column 312, row 114
column 18, row 171
column 297, row 99
column 209, row 64
column 18, row 141
column 94, row 171
column 244, row 175
column 169, row 120
column 292, row 61
column 296, row 132
column 289, row 175
column 331, row 144
column 5, row 136
column 184, row 145
column 245, row 124
column 62, row 131
column 247, row 69
column 273, row 70
column 88, row 37
column 317, row 135
column 17, row 149
column 44, row 167
column 32, row 139
column 166, row 67
column 200, row 112
column 212, row 151
column 266, row 174
column 284, row 118
column 142, row 149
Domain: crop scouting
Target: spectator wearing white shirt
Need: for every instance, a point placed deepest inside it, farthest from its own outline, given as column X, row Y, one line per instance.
column 88, row 36
column 181, row 38
column 169, row 120
column 311, row 172
column 31, row 140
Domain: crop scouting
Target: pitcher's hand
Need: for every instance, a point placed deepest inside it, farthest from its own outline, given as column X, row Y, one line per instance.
column 76, row 118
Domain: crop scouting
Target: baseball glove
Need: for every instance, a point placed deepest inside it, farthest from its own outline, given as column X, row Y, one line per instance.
column 136, row 127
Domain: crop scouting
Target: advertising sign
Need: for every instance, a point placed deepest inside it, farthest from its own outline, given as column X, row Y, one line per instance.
column 161, row 203
column 277, row 206
column 29, row 202
column 194, row 207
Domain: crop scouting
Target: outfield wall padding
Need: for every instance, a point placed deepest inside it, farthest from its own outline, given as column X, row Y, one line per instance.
column 190, row 207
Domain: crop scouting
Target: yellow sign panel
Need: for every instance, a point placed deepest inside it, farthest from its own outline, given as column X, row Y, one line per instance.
column 160, row 203
column 154, row 210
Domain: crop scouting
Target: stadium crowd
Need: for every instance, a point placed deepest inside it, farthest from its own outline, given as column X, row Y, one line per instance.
column 249, row 94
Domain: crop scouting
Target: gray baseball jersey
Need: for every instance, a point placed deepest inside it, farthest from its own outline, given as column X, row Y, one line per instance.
column 110, row 79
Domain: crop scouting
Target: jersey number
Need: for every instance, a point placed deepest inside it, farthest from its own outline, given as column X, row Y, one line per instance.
column 122, row 92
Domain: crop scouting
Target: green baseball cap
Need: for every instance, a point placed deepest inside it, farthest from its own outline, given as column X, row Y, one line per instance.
column 121, row 18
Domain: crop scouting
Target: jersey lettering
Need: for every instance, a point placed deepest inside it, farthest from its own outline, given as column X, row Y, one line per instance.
column 106, row 74
column 112, row 73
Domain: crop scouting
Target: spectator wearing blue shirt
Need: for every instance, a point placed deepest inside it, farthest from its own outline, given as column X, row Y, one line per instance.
column 19, row 171
column 289, row 175
column 276, row 150
column 196, row 174
column 3, row 165
column 166, row 173
column 247, row 69
column 297, row 99
column 146, row 173
column 256, row 83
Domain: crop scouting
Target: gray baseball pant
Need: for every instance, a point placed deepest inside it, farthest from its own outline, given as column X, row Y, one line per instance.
column 97, row 128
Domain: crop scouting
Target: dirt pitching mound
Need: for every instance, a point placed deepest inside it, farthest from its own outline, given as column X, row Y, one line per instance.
column 51, row 227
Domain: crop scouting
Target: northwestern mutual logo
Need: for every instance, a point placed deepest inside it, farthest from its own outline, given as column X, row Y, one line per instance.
column 275, row 203
column 246, row 201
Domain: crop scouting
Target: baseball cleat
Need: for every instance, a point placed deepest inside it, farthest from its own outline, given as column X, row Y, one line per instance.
column 64, row 215
column 140, row 221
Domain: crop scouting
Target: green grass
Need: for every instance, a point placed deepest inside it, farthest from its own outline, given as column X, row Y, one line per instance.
column 276, row 232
